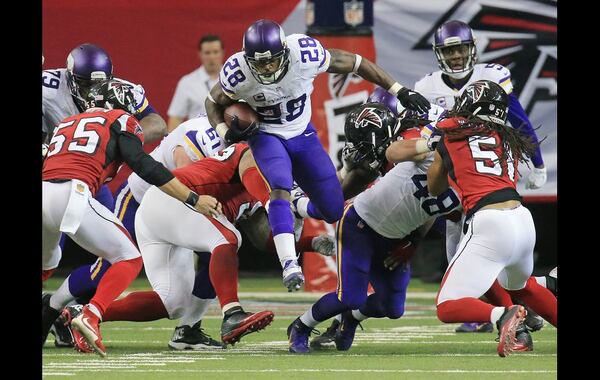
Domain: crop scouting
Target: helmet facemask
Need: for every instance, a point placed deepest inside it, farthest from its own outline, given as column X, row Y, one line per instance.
column 456, row 58
column 258, row 65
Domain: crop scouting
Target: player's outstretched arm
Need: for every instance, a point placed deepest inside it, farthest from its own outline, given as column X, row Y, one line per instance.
column 343, row 62
column 215, row 104
column 156, row 174
column 154, row 127
column 407, row 150
column 437, row 176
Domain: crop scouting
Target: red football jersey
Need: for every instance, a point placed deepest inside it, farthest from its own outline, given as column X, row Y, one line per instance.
column 474, row 168
column 218, row 176
column 84, row 146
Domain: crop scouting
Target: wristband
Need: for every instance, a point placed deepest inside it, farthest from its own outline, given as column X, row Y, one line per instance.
column 395, row 88
column 192, row 199
column 421, row 146
column 357, row 61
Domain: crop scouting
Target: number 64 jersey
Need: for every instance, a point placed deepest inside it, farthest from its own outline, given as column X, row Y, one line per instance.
column 284, row 107
column 399, row 202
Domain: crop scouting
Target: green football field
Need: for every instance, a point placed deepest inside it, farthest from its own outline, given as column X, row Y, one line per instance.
column 416, row 346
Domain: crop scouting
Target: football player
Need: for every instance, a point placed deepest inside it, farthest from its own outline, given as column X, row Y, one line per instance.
column 168, row 232
column 478, row 156
column 274, row 74
column 63, row 95
column 84, row 151
column 189, row 142
column 456, row 53
column 372, row 225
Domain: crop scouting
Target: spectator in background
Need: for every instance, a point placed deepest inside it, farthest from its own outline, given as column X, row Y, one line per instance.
column 192, row 88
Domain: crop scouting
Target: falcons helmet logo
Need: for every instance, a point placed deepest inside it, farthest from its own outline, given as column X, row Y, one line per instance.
column 369, row 117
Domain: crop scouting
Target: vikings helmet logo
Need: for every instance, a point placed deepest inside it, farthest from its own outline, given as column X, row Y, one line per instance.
column 369, row 117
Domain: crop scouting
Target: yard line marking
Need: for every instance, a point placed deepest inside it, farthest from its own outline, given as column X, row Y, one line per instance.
column 229, row 370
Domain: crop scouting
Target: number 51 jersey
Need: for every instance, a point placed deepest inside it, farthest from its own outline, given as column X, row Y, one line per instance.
column 85, row 146
column 284, row 107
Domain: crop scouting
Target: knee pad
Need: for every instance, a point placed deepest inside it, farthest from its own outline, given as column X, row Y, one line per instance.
column 394, row 311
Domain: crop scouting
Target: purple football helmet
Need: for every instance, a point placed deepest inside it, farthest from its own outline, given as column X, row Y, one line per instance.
column 454, row 47
column 86, row 65
column 266, row 51
column 390, row 101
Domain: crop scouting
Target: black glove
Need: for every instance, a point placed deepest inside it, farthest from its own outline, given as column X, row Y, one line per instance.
column 234, row 134
column 413, row 100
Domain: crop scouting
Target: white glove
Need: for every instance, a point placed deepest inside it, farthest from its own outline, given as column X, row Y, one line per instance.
column 536, row 179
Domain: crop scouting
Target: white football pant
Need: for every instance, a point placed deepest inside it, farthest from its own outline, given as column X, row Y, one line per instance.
column 498, row 244
column 168, row 231
column 99, row 232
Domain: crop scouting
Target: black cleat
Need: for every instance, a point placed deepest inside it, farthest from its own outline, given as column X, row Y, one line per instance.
column 524, row 340
column 49, row 316
column 193, row 338
column 63, row 336
column 327, row 339
column 238, row 323
column 533, row 321
column 509, row 323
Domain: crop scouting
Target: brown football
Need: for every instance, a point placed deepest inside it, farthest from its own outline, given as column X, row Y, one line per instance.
column 244, row 112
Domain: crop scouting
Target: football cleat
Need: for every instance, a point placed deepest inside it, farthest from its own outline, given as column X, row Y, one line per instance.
column 475, row 327
column 292, row 275
column 345, row 335
column 324, row 244
column 327, row 339
column 509, row 323
column 533, row 321
column 63, row 337
column 193, row 338
column 241, row 323
column 67, row 315
column 49, row 316
column 87, row 324
column 298, row 334
column 524, row 340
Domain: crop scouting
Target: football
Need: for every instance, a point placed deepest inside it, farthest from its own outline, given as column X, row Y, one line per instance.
column 244, row 112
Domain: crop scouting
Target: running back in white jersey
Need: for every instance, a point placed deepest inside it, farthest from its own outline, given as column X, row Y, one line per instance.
column 432, row 87
column 284, row 107
column 399, row 202
column 198, row 139
column 58, row 103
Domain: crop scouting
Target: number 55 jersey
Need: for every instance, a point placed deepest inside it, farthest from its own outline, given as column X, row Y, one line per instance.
column 284, row 107
column 85, row 146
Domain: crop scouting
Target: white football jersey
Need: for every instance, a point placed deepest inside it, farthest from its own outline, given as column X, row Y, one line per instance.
column 198, row 139
column 432, row 87
column 58, row 103
column 399, row 203
column 284, row 107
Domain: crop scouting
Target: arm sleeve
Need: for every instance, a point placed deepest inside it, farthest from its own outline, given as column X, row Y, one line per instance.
column 518, row 119
column 132, row 152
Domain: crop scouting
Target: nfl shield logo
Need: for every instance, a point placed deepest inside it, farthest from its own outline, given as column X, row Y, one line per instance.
column 80, row 188
column 353, row 12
